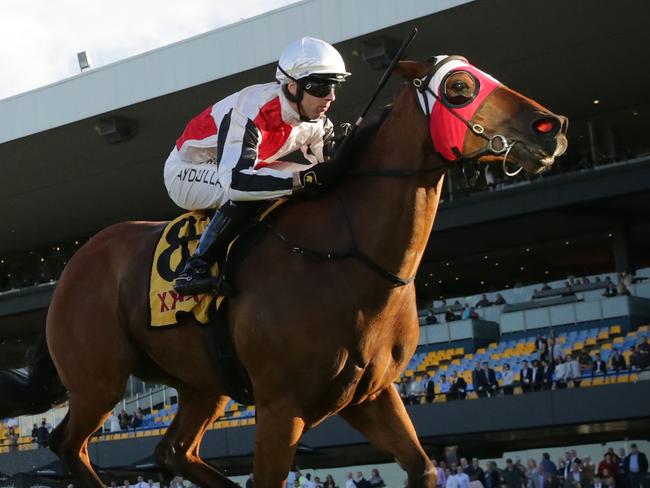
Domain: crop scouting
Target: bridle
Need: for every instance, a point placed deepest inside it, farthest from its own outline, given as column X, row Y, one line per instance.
column 496, row 144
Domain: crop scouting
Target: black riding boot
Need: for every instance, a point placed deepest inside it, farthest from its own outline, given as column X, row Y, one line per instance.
column 227, row 222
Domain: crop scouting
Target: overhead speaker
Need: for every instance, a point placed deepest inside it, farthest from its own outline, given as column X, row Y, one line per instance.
column 378, row 52
column 117, row 129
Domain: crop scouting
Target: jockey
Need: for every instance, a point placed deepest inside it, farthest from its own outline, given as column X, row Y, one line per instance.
column 228, row 156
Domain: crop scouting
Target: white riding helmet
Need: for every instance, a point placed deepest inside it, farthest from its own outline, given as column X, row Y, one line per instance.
column 307, row 57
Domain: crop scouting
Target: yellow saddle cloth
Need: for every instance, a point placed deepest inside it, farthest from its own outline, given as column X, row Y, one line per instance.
column 176, row 244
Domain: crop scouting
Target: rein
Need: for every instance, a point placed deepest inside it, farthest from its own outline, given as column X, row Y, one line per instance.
column 355, row 252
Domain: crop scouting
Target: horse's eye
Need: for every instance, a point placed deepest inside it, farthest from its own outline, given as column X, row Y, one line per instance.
column 460, row 85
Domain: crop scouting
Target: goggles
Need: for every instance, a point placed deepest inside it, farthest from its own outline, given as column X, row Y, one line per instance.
column 319, row 89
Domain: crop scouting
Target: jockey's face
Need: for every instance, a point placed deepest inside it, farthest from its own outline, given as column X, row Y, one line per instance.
column 313, row 107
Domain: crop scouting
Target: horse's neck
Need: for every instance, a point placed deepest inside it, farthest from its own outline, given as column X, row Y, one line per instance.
column 393, row 217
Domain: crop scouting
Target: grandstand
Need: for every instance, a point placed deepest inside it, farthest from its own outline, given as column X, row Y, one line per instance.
column 588, row 218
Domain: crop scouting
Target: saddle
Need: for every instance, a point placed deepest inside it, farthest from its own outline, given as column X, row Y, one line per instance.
column 176, row 244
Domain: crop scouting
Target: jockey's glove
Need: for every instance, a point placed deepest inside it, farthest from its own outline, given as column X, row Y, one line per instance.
column 315, row 179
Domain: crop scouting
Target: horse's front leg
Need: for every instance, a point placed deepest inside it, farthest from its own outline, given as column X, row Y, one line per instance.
column 387, row 426
column 277, row 434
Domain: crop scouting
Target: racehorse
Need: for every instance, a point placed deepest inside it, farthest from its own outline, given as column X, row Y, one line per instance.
column 318, row 337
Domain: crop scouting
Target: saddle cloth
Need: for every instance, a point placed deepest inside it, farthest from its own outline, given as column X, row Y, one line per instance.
column 176, row 244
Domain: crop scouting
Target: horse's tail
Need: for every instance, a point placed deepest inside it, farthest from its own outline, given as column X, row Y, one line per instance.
column 33, row 392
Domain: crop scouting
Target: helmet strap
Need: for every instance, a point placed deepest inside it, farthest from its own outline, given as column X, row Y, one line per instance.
column 297, row 99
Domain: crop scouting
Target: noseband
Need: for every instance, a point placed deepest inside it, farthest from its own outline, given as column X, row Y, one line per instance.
column 497, row 144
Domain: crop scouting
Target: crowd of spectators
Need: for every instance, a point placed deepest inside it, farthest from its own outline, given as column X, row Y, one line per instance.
column 297, row 479
column 615, row 470
column 553, row 369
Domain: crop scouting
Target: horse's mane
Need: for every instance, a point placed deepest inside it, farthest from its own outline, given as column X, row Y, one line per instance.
column 353, row 148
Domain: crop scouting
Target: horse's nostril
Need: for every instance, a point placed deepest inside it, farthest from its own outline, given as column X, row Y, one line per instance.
column 544, row 126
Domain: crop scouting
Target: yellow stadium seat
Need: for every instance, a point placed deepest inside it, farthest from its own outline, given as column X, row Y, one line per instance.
column 598, row 380
column 480, row 350
column 591, row 341
column 561, row 340
column 603, row 336
column 634, row 377
column 469, row 356
column 409, row 372
column 644, row 328
column 496, row 356
column 578, row 346
column 615, row 330
column 586, row 382
column 623, row 378
column 456, row 362
column 493, row 345
column 607, row 345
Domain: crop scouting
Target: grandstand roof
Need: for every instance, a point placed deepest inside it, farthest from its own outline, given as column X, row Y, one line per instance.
column 200, row 59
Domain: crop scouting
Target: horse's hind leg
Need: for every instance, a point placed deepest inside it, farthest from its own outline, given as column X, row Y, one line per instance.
column 87, row 412
column 179, row 449
column 387, row 426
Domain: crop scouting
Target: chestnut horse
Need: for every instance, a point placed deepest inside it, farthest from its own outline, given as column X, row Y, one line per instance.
column 317, row 337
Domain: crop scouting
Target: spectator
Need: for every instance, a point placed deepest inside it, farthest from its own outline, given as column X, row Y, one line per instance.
column 547, row 465
column 599, row 366
column 588, row 471
column 450, row 316
column 568, row 290
column 492, row 476
column 531, row 468
column 479, row 388
column 12, row 439
column 598, row 483
column 376, row 481
column 623, row 287
column 430, row 389
column 543, row 352
column 540, row 478
column 46, row 424
column 546, row 287
column 458, row 387
column 469, row 313
column 507, row 379
column 546, row 375
column 556, row 350
column 361, row 482
column 445, row 386
column 307, row 482
column 43, row 434
column 483, row 302
column 643, row 350
column 540, row 343
column 349, row 481
column 618, row 362
column 573, row 370
column 585, row 362
column 611, row 482
column 636, row 466
column 499, row 300
column 35, row 433
column 561, row 374
column 329, row 482
column 430, row 318
column 125, row 419
column 477, row 471
column 474, row 482
column 114, row 422
column 526, row 377
column 574, row 477
column 137, row 418
column 458, row 480
column 610, row 290
column 635, row 358
column 608, row 466
column 536, row 379
column 141, row 483
column 317, row 482
column 441, row 477
column 490, row 378
column 512, row 476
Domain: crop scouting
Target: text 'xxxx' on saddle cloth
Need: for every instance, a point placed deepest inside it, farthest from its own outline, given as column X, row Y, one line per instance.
column 177, row 243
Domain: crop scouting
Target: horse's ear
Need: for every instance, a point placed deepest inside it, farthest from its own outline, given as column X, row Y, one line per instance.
column 412, row 69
